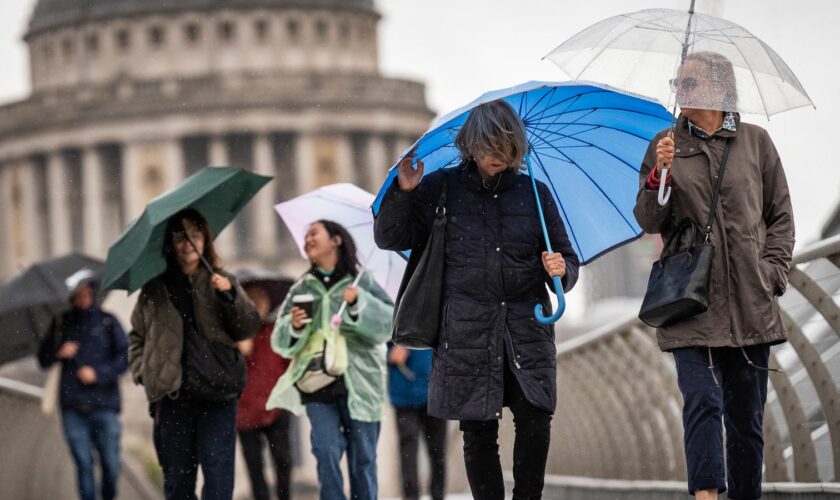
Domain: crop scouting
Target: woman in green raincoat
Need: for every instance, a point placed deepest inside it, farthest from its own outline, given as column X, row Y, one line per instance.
column 338, row 366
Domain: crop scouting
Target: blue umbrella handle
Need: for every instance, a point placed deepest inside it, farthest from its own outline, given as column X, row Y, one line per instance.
column 558, row 285
column 561, row 305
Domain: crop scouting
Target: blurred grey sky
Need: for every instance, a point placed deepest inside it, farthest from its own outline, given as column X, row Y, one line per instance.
column 462, row 48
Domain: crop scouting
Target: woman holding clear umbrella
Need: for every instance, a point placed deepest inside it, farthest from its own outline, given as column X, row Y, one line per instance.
column 721, row 355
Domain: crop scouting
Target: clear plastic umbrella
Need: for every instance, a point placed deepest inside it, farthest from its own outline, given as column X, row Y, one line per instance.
column 641, row 52
column 691, row 60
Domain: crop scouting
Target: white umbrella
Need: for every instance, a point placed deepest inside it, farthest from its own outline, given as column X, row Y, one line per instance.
column 349, row 206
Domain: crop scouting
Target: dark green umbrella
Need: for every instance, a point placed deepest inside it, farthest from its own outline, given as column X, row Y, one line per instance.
column 30, row 301
column 218, row 193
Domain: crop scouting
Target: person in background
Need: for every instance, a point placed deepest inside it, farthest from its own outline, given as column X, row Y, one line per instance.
column 345, row 412
column 254, row 423
column 93, row 351
column 408, row 390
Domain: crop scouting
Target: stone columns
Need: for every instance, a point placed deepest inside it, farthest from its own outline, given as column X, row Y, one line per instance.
column 59, row 211
column 6, row 220
column 132, row 182
column 264, row 215
column 344, row 159
column 377, row 162
column 305, row 162
column 220, row 157
column 174, row 166
column 94, row 202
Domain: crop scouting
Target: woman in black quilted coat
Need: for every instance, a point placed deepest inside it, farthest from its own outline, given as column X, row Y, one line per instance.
column 491, row 352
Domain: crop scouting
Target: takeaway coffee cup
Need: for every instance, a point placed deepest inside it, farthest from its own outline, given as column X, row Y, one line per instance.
column 304, row 301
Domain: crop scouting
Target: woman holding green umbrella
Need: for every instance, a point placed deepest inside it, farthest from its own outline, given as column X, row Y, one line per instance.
column 182, row 350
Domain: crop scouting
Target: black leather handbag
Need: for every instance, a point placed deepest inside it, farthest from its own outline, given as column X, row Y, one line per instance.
column 678, row 287
column 418, row 305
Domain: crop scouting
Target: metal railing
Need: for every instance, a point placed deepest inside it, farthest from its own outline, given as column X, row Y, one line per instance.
column 34, row 460
column 619, row 408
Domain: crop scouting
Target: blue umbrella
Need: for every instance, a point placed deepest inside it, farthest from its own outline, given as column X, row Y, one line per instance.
column 586, row 144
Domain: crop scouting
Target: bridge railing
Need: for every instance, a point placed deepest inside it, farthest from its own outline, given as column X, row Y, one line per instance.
column 619, row 407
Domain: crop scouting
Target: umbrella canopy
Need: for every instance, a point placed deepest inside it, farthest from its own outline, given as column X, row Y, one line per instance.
column 641, row 52
column 349, row 206
column 586, row 144
column 217, row 193
column 30, row 301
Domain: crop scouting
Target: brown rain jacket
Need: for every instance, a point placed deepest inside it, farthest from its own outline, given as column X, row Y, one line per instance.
column 753, row 232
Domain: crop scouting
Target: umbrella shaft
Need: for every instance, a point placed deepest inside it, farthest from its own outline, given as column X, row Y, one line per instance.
column 539, row 205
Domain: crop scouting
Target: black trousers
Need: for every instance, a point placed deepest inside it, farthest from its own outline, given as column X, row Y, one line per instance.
column 736, row 394
column 530, row 449
column 277, row 437
column 411, row 423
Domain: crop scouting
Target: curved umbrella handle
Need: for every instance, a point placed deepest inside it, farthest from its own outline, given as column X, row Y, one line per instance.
column 561, row 305
column 664, row 192
column 558, row 285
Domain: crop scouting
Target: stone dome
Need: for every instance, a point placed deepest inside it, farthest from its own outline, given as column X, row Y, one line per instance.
column 49, row 14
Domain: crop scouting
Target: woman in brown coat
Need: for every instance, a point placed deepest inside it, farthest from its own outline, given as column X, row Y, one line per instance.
column 722, row 354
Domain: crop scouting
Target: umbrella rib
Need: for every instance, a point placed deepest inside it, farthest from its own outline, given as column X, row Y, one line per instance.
column 588, row 144
column 610, row 108
column 524, row 98
column 598, row 125
column 583, row 171
column 601, row 51
column 320, row 196
column 561, row 207
column 583, row 141
column 752, row 73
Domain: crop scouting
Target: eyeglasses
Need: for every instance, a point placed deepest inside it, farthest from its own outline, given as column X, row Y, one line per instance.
column 687, row 84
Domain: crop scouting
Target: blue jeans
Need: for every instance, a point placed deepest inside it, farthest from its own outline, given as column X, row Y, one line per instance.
column 84, row 431
column 333, row 431
column 738, row 398
column 188, row 433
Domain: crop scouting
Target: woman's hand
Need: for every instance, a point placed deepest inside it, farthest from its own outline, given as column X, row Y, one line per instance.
column 87, row 375
column 67, row 350
column 408, row 176
column 398, row 355
column 220, row 283
column 554, row 264
column 246, row 347
column 351, row 293
column 664, row 152
column 298, row 318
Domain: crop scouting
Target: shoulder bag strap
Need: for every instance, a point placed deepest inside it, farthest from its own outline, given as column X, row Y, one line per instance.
column 716, row 192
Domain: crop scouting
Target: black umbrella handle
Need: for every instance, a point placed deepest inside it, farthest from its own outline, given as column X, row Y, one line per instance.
column 226, row 294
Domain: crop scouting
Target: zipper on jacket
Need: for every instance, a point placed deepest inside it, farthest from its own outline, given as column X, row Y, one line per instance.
column 512, row 350
column 443, row 327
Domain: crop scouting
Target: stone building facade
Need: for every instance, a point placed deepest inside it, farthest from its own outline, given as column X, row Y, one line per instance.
column 131, row 96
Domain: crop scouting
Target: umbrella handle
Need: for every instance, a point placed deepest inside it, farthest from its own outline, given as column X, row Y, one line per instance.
column 558, row 285
column 561, row 305
column 664, row 191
